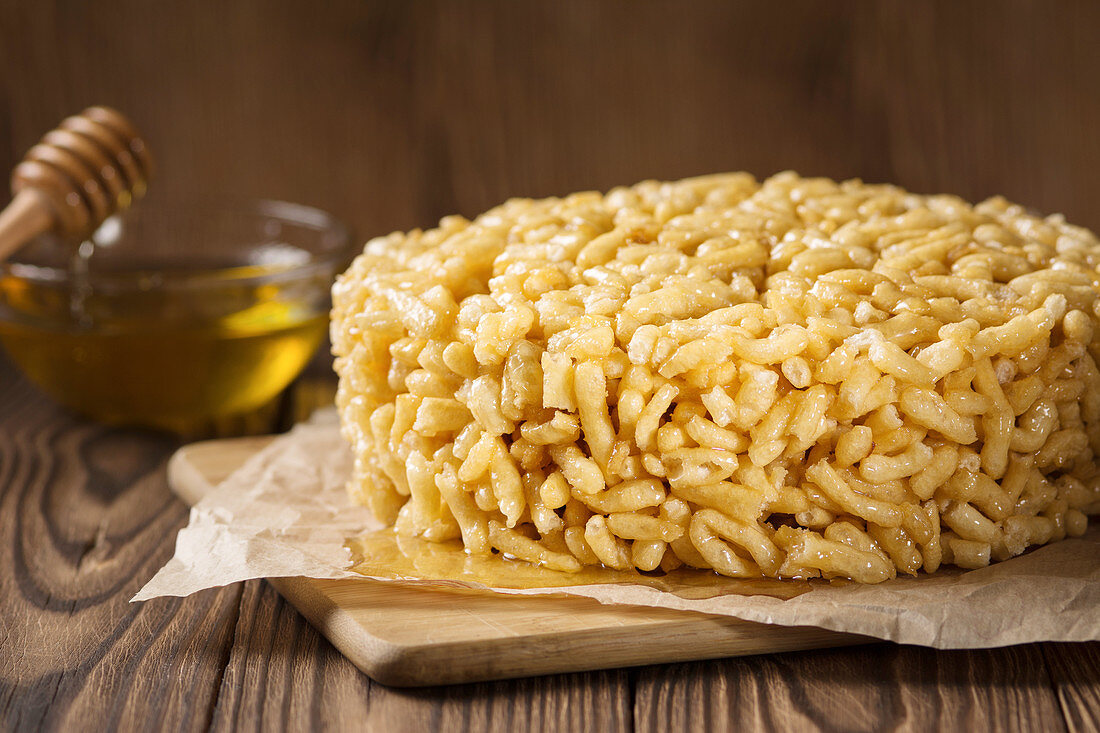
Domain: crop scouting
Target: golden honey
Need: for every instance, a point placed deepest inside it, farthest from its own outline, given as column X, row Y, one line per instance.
column 386, row 554
column 157, row 355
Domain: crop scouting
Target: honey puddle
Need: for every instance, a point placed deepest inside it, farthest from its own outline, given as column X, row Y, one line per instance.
column 385, row 554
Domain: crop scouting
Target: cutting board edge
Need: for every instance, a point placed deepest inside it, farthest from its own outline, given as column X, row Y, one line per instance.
column 408, row 665
column 378, row 658
column 546, row 654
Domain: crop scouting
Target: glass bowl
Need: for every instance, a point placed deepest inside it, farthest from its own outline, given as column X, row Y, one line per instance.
column 174, row 314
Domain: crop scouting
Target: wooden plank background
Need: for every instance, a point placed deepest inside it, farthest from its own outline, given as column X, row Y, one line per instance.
column 391, row 114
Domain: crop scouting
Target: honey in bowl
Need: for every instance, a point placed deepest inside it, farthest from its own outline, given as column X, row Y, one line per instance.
column 174, row 315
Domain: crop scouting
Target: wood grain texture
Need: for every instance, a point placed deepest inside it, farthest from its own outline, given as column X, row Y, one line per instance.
column 84, row 514
column 392, row 114
column 894, row 688
column 1075, row 673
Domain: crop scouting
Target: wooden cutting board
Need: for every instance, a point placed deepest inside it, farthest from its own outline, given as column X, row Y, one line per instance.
column 412, row 636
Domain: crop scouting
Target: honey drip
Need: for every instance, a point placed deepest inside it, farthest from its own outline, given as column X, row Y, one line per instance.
column 385, row 554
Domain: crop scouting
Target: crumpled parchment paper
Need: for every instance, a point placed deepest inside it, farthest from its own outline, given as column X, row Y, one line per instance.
column 285, row 513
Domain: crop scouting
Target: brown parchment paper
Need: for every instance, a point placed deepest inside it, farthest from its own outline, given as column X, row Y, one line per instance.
column 285, row 513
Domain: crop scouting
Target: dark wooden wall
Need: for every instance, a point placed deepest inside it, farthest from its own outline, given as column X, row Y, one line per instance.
column 392, row 114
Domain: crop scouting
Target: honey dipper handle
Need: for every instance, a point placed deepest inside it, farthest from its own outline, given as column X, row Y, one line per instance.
column 27, row 216
column 91, row 166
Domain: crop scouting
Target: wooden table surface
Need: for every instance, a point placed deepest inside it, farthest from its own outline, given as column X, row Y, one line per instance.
column 393, row 114
column 86, row 517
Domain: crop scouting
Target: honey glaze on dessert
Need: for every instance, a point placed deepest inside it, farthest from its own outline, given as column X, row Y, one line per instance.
column 386, row 554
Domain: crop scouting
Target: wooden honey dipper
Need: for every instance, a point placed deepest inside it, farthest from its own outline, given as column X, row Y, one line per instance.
column 91, row 166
